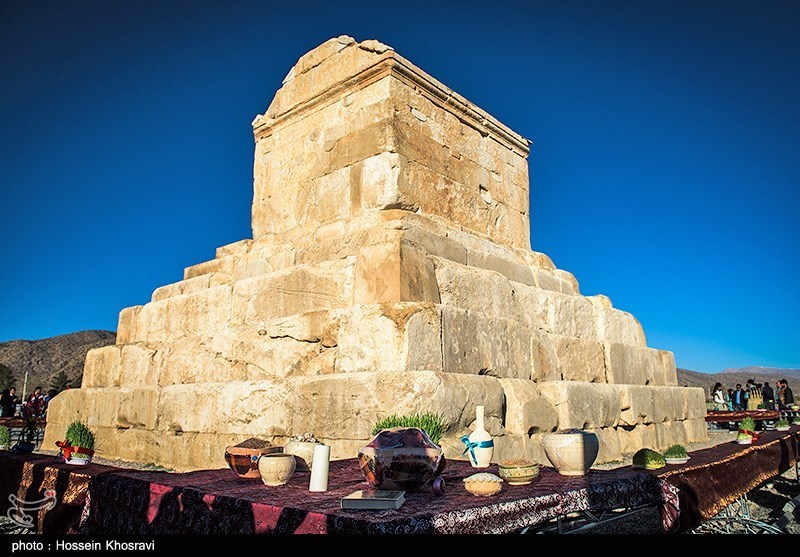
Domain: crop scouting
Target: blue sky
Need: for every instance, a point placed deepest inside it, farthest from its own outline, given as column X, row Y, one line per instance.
column 664, row 170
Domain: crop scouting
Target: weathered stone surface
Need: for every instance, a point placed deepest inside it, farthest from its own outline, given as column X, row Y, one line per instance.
column 102, row 367
column 583, row 405
column 136, row 366
column 579, row 360
column 668, row 433
column 637, row 404
column 296, row 290
column 633, row 438
column 476, row 344
column 126, row 327
column 696, row 430
column 610, row 447
column 615, row 326
column 627, row 364
column 390, row 337
column 527, row 411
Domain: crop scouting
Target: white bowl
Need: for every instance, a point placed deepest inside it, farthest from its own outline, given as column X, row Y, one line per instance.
column 683, row 460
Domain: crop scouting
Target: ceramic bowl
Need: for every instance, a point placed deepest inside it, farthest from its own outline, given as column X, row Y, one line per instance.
column 518, row 471
column 483, row 484
column 244, row 461
column 276, row 468
column 303, row 452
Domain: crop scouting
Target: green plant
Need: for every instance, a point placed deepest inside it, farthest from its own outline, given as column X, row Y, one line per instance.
column 783, row 422
column 747, row 424
column 430, row 422
column 79, row 435
column 5, row 435
column 648, row 458
column 676, row 451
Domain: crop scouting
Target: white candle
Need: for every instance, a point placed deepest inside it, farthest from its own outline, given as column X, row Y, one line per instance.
column 319, row 468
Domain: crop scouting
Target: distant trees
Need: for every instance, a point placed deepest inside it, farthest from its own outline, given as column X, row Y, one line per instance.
column 60, row 381
column 6, row 377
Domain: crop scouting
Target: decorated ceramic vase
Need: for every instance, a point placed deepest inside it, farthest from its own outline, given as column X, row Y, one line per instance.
column 401, row 458
column 479, row 443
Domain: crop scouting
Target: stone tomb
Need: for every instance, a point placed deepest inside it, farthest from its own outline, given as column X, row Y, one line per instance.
column 390, row 271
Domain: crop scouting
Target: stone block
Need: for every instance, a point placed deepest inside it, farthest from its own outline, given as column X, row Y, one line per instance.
column 627, row 364
column 101, row 368
column 295, row 290
column 633, row 438
column 527, row 411
column 637, row 404
column 610, row 447
column 137, row 367
column 579, row 360
column 126, row 327
column 696, row 430
column 583, row 405
column 616, row 326
column 138, row 407
column 544, row 360
column 476, row 344
column 477, row 290
column 669, row 433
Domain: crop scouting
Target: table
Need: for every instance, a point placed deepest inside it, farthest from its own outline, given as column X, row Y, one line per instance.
column 738, row 415
column 98, row 499
column 720, row 476
column 46, row 495
column 215, row 501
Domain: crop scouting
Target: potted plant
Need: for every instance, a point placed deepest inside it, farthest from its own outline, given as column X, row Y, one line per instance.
column 5, row 437
column 78, row 447
column 796, row 420
column 302, row 447
column 782, row 425
column 648, row 459
column 676, row 454
column 747, row 431
column 429, row 422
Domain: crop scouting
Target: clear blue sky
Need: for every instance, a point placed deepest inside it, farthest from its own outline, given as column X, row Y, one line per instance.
column 664, row 170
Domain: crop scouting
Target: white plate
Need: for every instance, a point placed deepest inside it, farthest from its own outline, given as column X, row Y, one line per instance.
column 677, row 460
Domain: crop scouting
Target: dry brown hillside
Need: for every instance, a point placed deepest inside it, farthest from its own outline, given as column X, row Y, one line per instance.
column 46, row 358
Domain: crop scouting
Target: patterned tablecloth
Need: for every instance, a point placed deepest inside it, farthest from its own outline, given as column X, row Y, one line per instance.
column 104, row 500
column 39, row 492
column 215, row 501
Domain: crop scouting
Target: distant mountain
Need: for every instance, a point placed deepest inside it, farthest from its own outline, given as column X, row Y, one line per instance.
column 44, row 359
column 730, row 377
column 756, row 371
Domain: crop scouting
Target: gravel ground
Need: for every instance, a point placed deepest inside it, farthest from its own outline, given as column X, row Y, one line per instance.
column 767, row 502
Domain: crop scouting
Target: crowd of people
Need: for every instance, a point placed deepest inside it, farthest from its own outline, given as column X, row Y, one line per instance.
column 37, row 402
column 753, row 396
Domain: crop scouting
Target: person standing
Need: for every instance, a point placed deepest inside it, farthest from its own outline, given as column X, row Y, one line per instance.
column 787, row 397
column 739, row 402
column 36, row 402
column 718, row 397
column 769, row 396
column 8, row 402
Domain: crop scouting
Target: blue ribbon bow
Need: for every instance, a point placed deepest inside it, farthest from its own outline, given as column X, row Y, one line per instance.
column 471, row 446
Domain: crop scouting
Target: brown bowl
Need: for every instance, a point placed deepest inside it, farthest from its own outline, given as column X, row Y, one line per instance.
column 244, row 461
